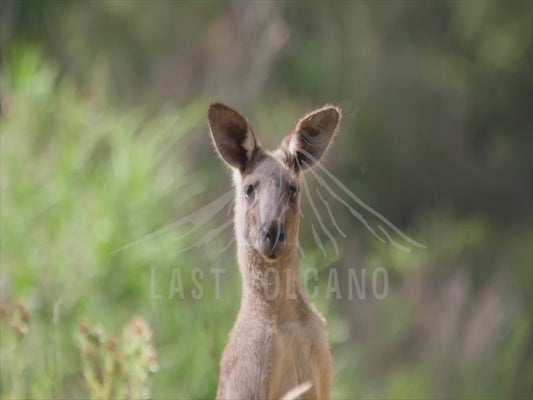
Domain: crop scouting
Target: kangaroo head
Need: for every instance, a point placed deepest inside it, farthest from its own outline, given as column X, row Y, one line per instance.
column 267, row 183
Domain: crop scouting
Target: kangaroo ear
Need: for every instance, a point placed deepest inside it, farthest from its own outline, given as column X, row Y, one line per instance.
column 232, row 135
column 311, row 137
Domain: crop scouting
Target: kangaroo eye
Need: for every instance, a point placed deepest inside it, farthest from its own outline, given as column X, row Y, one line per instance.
column 249, row 191
column 293, row 191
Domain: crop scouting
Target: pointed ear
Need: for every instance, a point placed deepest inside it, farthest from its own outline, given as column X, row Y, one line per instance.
column 311, row 137
column 232, row 135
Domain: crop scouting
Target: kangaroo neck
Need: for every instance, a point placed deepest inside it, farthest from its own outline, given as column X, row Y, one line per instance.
column 269, row 285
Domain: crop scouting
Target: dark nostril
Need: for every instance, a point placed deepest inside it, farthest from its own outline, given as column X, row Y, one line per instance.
column 274, row 233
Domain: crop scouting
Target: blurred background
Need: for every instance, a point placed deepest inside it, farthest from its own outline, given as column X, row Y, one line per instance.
column 104, row 144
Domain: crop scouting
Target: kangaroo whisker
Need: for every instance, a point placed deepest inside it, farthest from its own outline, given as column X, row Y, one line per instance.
column 197, row 218
column 330, row 214
column 318, row 217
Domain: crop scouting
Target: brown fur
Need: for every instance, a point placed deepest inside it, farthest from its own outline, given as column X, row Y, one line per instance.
column 279, row 340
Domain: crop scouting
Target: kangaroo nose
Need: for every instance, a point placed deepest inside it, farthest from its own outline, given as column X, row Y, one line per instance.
column 273, row 234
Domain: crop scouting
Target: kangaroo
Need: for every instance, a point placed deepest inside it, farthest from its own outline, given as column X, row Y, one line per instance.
column 279, row 344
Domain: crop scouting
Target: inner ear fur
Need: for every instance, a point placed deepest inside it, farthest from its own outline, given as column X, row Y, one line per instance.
column 310, row 139
column 232, row 135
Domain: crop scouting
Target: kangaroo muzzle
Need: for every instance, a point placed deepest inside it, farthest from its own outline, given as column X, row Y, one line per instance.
column 272, row 239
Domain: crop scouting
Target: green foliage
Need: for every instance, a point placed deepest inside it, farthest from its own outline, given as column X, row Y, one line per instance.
column 114, row 369
column 80, row 180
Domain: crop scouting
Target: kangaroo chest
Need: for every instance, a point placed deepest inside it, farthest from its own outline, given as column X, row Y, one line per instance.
column 296, row 357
